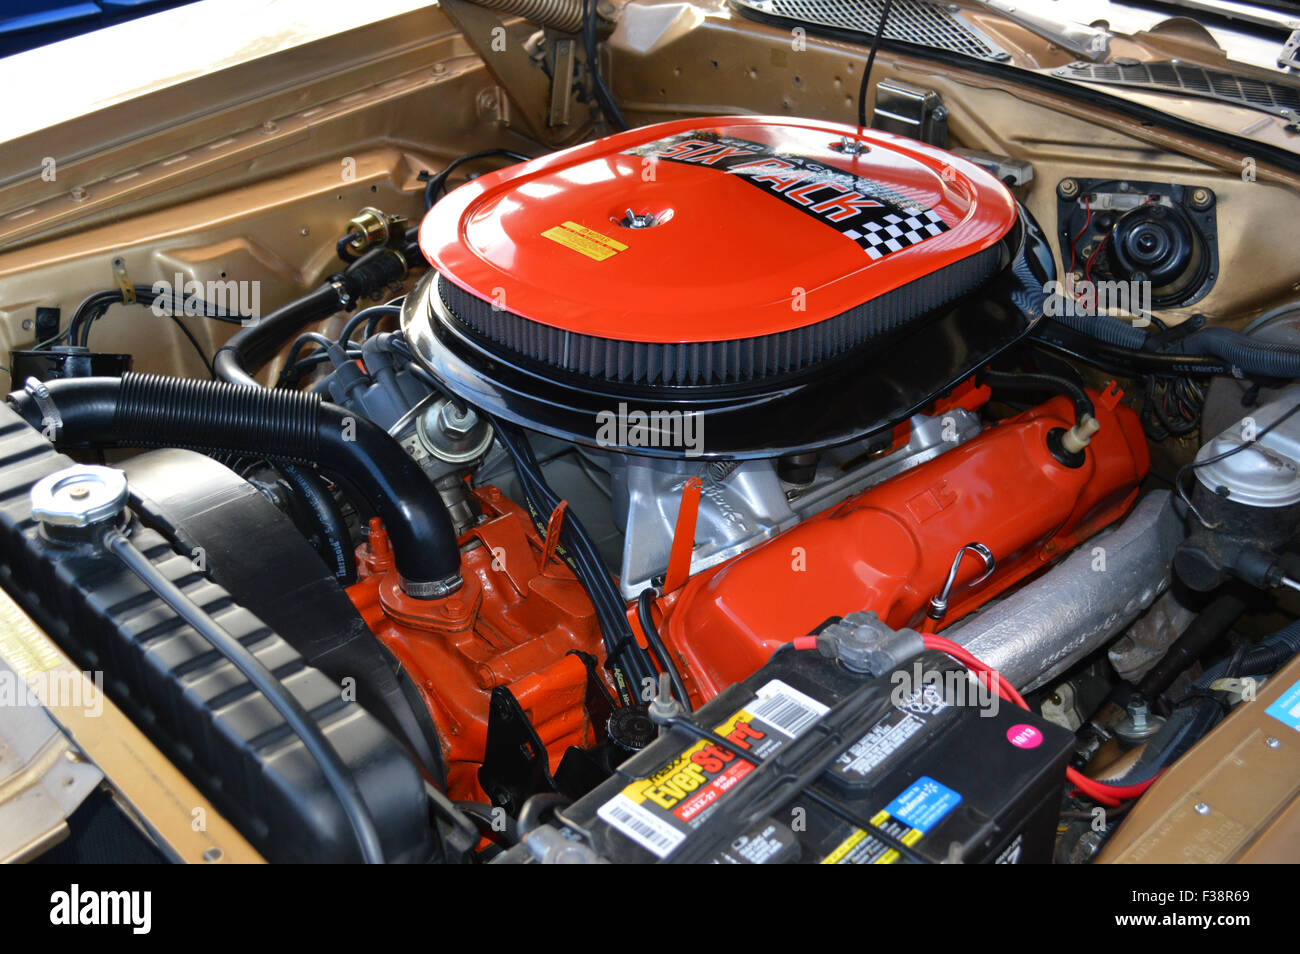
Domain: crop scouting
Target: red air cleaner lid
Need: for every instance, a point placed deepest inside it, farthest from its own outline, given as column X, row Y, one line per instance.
column 713, row 230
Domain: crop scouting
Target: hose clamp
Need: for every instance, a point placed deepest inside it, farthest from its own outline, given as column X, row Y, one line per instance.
column 346, row 301
column 431, row 589
column 51, row 419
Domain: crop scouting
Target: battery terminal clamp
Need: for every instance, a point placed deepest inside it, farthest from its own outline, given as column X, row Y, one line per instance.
column 864, row 643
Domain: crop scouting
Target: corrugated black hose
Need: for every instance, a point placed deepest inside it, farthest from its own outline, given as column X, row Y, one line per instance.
column 1245, row 354
column 148, row 410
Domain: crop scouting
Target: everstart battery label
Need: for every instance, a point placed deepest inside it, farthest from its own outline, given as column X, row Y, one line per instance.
column 660, row 811
column 879, row 219
column 907, row 818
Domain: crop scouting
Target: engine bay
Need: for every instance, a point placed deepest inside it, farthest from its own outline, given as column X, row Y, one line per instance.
column 462, row 466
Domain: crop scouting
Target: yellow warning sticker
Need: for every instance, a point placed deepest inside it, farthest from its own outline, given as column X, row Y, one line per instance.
column 839, row 854
column 873, row 852
column 24, row 648
column 588, row 242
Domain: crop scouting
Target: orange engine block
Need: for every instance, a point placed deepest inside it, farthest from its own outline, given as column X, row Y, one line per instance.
column 522, row 620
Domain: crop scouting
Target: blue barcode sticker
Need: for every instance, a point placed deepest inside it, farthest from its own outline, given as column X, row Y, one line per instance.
column 924, row 804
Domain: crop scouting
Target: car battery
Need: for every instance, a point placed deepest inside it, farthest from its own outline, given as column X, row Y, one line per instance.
column 808, row 762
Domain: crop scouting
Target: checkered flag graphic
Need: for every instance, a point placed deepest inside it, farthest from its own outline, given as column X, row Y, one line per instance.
column 894, row 232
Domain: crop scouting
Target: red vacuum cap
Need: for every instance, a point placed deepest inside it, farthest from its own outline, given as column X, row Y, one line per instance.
column 720, row 230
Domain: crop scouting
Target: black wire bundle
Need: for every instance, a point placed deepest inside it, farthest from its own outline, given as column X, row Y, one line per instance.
column 95, row 306
column 372, row 317
column 1172, row 407
column 627, row 660
column 645, row 617
column 438, row 182
column 295, row 364
column 609, row 109
column 399, row 346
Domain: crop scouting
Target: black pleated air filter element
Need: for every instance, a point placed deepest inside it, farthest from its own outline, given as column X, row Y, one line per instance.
column 702, row 363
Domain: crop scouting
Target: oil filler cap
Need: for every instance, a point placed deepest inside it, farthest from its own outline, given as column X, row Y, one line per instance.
column 83, row 495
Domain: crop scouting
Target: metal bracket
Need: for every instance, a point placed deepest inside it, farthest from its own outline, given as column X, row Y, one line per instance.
column 561, row 81
column 123, row 281
column 679, row 556
column 514, row 758
column 501, row 41
column 1014, row 172
column 1289, row 58
column 910, row 111
column 552, row 541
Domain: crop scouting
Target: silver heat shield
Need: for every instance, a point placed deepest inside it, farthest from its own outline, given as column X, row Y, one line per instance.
column 1046, row 626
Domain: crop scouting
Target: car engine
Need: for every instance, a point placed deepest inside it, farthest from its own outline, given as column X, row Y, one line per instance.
column 637, row 496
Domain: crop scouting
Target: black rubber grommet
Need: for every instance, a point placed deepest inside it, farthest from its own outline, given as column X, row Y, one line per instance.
column 1073, row 459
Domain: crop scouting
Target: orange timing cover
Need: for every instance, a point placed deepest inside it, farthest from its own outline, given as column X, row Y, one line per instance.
column 515, row 621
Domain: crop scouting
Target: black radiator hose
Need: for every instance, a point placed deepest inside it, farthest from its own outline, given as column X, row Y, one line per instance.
column 150, row 410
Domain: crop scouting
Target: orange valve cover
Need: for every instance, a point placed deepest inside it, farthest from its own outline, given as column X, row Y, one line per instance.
column 890, row 548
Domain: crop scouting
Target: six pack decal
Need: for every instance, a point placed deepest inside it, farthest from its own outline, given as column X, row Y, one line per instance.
column 875, row 217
